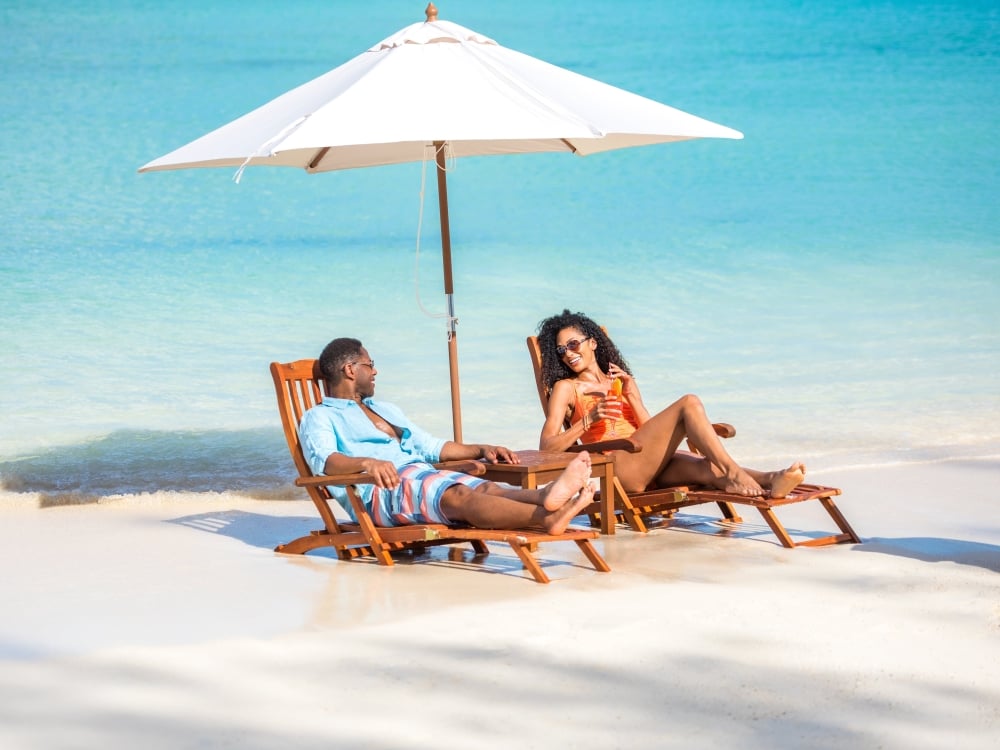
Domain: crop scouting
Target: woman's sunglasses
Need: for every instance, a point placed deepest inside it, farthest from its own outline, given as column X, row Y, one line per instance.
column 572, row 346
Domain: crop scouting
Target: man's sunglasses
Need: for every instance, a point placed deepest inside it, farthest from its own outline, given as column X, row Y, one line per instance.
column 572, row 346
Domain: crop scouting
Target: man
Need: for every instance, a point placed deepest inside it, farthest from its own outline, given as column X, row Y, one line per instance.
column 351, row 431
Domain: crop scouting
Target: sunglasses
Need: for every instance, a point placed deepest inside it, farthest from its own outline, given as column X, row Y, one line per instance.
column 572, row 345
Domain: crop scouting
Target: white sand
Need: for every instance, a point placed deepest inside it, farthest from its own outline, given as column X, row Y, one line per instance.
column 171, row 624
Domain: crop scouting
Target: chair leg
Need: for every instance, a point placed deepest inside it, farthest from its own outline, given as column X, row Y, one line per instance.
column 839, row 519
column 632, row 517
column 729, row 512
column 634, row 520
column 848, row 535
column 529, row 562
column 595, row 558
column 777, row 527
column 379, row 548
column 316, row 539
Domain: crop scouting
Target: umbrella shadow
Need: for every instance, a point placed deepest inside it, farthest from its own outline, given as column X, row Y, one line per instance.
column 936, row 549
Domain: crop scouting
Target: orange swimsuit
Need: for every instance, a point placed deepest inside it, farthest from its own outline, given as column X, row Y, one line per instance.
column 587, row 398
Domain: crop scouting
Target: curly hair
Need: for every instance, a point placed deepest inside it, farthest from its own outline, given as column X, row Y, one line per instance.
column 553, row 367
column 336, row 354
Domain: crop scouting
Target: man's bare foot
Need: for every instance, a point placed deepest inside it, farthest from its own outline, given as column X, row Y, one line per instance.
column 783, row 482
column 557, row 521
column 574, row 476
column 741, row 483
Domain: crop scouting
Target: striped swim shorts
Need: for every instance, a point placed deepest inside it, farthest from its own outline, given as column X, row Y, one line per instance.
column 417, row 498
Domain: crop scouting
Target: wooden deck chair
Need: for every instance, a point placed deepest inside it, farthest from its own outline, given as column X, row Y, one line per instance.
column 635, row 507
column 299, row 386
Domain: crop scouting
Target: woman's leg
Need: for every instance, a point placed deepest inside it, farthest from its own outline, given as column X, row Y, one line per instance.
column 688, row 469
column 660, row 438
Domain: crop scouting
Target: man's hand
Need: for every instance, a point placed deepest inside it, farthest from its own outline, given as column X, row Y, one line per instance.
column 497, row 454
column 491, row 454
column 383, row 472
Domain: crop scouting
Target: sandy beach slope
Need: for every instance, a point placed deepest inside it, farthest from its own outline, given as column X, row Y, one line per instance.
column 170, row 623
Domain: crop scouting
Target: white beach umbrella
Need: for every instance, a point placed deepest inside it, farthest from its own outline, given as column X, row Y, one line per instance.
column 433, row 91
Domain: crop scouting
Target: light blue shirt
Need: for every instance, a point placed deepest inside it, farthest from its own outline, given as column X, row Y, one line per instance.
column 338, row 425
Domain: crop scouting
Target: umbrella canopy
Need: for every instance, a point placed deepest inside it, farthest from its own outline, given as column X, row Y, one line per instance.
column 435, row 90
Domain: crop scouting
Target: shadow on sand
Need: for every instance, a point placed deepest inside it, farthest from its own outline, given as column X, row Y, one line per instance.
column 254, row 529
column 268, row 531
column 480, row 695
column 936, row 549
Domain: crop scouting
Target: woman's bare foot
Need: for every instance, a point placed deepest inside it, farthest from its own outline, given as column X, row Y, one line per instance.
column 741, row 483
column 783, row 482
column 573, row 478
column 557, row 521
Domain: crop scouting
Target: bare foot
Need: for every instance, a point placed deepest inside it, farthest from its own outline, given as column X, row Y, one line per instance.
column 783, row 482
column 574, row 476
column 557, row 521
column 741, row 483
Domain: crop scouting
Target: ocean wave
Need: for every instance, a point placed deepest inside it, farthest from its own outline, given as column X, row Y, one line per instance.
column 252, row 463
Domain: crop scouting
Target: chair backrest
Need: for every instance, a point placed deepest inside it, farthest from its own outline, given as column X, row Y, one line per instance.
column 300, row 386
column 536, row 363
column 535, row 352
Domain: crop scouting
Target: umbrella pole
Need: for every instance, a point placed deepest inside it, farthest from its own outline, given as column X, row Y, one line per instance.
column 449, row 289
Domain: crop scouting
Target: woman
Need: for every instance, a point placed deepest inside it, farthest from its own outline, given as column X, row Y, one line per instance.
column 580, row 364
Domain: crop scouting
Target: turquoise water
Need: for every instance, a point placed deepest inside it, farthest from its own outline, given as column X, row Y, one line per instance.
column 829, row 284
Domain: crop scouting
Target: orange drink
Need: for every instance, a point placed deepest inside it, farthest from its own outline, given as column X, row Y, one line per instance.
column 615, row 392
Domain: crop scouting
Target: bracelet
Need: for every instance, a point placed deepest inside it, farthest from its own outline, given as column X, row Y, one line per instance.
column 586, row 421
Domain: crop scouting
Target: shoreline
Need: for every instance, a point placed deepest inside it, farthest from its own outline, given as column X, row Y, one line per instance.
column 288, row 492
column 175, row 624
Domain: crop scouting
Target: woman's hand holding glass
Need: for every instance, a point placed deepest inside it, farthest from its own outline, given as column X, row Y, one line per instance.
column 609, row 407
column 628, row 386
column 612, row 405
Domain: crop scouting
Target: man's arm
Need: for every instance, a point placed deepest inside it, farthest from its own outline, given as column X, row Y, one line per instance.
column 383, row 472
column 492, row 454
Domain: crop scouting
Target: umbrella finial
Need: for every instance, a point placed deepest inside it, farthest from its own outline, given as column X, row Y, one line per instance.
column 432, row 12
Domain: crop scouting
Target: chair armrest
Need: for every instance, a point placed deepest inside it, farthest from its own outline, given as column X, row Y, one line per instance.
column 475, row 468
column 469, row 466
column 617, row 444
column 341, row 480
column 724, row 430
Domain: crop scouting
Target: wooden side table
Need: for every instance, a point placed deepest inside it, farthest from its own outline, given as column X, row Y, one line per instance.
column 541, row 467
